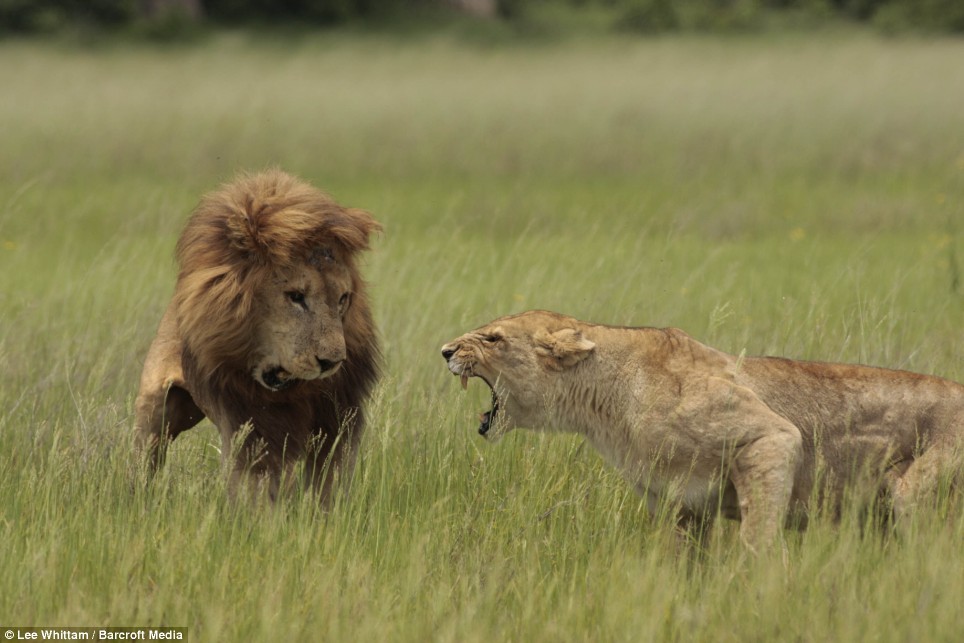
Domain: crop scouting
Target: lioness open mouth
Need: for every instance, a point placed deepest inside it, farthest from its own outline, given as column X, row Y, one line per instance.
column 486, row 418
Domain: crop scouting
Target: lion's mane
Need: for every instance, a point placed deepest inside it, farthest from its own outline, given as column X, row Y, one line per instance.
column 234, row 240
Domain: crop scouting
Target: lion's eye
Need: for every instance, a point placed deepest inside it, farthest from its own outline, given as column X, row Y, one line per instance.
column 296, row 297
column 491, row 339
column 344, row 301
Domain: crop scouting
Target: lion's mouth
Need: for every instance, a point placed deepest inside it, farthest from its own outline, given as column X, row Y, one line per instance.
column 277, row 379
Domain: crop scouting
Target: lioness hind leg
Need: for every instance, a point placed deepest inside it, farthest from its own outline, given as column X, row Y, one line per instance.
column 921, row 481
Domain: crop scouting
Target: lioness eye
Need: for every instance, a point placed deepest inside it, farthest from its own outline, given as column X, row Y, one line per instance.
column 491, row 339
column 296, row 297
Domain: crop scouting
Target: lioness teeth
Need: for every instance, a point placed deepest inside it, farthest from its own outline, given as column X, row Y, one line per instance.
column 465, row 381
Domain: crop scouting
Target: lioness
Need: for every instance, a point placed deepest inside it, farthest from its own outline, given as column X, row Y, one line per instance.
column 752, row 438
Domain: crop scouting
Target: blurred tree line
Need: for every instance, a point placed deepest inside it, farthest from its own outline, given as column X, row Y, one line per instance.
column 889, row 15
column 645, row 16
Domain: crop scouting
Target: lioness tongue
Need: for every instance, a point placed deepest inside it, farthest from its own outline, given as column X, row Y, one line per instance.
column 465, row 381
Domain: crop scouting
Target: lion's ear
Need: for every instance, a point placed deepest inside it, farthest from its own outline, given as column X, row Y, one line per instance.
column 351, row 227
column 563, row 348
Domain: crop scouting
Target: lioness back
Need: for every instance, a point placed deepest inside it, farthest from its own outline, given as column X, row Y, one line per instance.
column 856, row 399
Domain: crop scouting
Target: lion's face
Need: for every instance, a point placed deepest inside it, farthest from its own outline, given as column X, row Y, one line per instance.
column 269, row 288
column 299, row 331
column 520, row 357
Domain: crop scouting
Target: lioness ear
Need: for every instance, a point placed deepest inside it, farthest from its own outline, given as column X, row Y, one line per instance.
column 563, row 348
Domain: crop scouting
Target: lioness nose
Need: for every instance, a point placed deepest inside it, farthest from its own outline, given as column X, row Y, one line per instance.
column 447, row 353
column 326, row 364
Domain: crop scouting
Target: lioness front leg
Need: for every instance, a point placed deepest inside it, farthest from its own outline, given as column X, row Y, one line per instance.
column 763, row 473
column 764, row 452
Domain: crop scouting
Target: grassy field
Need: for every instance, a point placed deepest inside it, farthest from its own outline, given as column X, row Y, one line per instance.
column 801, row 196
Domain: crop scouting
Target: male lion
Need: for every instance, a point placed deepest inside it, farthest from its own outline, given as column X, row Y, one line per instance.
column 269, row 328
column 751, row 438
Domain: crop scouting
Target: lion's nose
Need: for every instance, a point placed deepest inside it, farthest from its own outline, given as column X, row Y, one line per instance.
column 326, row 364
column 447, row 353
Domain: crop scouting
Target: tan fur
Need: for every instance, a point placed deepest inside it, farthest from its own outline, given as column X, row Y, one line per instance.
column 756, row 439
column 269, row 328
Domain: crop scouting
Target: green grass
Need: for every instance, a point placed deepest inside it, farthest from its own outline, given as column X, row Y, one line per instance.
column 801, row 197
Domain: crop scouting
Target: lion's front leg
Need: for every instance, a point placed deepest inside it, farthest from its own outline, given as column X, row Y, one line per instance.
column 164, row 407
column 255, row 470
column 256, row 475
column 331, row 458
column 161, row 414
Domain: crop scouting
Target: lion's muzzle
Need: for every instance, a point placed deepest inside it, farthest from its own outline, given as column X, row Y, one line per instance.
column 278, row 378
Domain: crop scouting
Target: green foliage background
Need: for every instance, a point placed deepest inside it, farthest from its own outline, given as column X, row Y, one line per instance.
column 163, row 18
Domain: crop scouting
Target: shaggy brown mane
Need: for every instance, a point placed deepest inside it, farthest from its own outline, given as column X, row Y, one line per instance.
column 234, row 240
column 235, row 243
